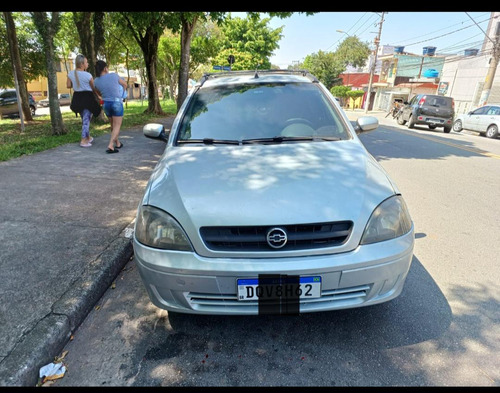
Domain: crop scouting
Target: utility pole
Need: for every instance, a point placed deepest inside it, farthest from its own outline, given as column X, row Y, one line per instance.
column 495, row 55
column 372, row 71
column 490, row 76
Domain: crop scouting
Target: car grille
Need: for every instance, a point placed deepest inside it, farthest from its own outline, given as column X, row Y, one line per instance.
column 254, row 238
column 329, row 299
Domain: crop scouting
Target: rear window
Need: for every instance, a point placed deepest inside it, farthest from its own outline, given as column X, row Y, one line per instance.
column 246, row 111
column 438, row 101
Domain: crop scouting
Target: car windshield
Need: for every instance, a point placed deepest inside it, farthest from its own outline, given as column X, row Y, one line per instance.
column 260, row 113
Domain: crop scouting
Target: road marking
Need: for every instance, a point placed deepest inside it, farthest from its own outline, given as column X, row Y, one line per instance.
column 473, row 150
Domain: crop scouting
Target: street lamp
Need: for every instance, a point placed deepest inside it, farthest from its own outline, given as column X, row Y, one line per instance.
column 342, row 31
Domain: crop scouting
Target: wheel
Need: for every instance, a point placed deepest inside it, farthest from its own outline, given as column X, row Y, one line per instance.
column 33, row 110
column 431, row 127
column 492, row 131
column 411, row 122
column 447, row 129
column 457, row 126
column 400, row 120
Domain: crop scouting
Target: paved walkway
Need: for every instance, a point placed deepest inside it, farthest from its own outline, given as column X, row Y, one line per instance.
column 65, row 222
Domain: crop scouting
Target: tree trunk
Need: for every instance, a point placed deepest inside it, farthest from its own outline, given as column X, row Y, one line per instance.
column 150, row 49
column 86, row 23
column 16, row 64
column 83, row 25
column 48, row 30
column 186, row 34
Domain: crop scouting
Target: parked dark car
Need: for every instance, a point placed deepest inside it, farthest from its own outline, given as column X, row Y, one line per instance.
column 8, row 103
column 431, row 110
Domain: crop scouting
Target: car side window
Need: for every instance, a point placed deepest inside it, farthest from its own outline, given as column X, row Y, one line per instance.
column 493, row 111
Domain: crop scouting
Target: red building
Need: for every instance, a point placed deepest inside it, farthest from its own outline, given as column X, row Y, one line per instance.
column 357, row 80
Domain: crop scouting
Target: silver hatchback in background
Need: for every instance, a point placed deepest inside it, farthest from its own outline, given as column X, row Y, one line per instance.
column 485, row 120
column 265, row 201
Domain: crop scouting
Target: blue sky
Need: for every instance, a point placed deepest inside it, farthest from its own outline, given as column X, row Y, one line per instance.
column 449, row 32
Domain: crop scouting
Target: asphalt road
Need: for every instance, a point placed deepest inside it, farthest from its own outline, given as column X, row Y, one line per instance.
column 442, row 331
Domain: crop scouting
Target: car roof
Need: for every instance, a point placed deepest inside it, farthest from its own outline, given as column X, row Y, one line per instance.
column 263, row 76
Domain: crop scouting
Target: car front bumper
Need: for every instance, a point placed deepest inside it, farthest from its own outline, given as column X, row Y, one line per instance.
column 188, row 283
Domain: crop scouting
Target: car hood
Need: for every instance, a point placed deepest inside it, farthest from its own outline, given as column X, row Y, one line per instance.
column 268, row 184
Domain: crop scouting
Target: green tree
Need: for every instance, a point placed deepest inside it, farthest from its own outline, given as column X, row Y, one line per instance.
column 341, row 91
column 67, row 39
column 251, row 35
column 325, row 66
column 355, row 94
column 91, row 32
column 16, row 64
column 30, row 49
column 353, row 52
column 243, row 60
column 48, row 28
column 147, row 28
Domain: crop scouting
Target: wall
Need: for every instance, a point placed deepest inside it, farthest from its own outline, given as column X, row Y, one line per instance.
column 39, row 88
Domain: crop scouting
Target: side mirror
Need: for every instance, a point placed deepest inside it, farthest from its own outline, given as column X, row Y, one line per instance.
column 365, row 124
column 155, row 131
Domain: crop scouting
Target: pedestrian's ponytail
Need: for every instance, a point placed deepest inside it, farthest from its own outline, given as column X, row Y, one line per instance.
column 80, row 59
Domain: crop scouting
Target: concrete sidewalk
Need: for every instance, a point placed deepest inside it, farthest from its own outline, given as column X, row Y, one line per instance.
column 65, row 221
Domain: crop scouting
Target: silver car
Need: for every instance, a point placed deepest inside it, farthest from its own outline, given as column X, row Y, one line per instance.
column 265, row 201
column 485, row 120
column 64, row 99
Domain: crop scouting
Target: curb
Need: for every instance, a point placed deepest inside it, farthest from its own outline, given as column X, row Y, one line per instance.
column 47, row 339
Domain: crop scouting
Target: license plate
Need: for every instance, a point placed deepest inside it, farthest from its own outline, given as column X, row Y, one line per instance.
column 279, row 288
column 435, row 121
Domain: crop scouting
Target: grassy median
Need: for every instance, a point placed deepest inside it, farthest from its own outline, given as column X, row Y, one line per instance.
column 37, row 135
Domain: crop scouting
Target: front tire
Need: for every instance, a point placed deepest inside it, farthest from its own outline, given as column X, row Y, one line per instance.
column 400, row 119
column 457, row 126
column 33, row 110
column 492, row 131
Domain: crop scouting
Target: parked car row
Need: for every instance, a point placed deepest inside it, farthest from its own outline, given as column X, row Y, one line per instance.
column 438, row 111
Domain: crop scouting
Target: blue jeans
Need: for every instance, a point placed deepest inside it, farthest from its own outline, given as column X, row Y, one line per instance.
column 113, row 108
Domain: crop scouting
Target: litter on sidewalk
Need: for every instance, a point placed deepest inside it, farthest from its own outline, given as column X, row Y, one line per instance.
column 53, row 371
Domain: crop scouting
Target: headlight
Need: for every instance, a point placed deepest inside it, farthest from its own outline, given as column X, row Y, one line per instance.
column 155, row 228
column 389, row 220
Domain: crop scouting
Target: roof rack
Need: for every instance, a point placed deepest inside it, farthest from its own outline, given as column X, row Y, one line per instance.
column 213, row 75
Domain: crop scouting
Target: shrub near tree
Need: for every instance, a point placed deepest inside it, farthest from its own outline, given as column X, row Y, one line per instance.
column 354, row 95
column 342, row 92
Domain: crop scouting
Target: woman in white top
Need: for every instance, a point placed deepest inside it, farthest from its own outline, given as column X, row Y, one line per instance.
column 84, row 101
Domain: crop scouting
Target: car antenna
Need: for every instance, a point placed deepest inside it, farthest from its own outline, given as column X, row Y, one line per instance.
column 256, row 76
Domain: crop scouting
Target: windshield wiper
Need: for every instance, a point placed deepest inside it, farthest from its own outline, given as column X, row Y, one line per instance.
column 210, row 141
column 280, row 139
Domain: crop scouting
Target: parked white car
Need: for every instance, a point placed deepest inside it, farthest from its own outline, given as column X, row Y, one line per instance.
column 485, row 120
column 266, row 201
